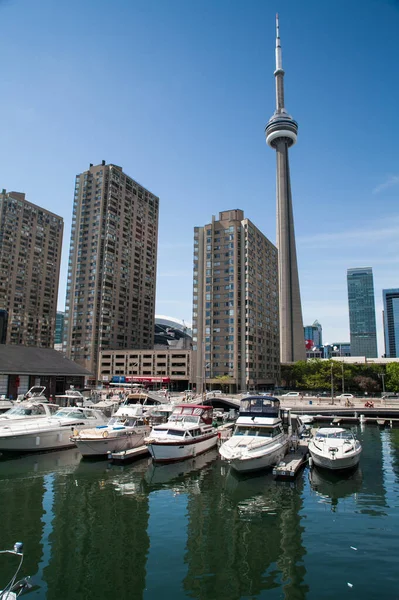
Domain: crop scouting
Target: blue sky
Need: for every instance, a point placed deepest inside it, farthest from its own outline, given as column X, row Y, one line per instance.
column 178, row 92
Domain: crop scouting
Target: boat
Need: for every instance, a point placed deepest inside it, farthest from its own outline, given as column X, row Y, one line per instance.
column 36, row 393
column 71, row 397
column 259, row 440
column 306, row 419
column 28, row 410
column 125, row 430
column 187, row 433
column 51, row 433
column 335, row 448
column 14, row 588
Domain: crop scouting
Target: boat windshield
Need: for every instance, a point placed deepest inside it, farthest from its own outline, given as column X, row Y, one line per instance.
column 336, row 435
column 69, row 414
column 177, row 432
column 20, row 411
column 257, row 431
column 185, row 418
column 122, row 421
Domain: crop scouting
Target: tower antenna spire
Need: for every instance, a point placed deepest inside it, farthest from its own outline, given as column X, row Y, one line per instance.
column 279, row 60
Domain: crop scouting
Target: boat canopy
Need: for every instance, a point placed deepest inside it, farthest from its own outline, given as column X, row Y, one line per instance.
column 259, row 406
column 195, row 410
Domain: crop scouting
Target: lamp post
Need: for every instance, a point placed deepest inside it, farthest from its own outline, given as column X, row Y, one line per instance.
column 332, row 384
column 343, row 380
column 382, row 377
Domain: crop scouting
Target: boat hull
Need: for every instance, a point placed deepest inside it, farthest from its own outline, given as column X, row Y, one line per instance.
column 335, row 464
column 38, row 441
column 168, row 452
column 101, row 446
column 267, row 460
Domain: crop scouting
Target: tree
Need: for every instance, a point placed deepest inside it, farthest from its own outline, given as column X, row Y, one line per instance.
column 392, row 377
column 367, row 384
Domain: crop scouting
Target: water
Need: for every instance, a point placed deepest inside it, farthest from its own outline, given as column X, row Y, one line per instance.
column 196, row 530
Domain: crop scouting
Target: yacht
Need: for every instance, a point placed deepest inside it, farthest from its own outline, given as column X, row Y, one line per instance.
column 36, row 393
column 187, row 433
column 51, row 433
column 28, row 410
column 125, row 430
column 71, row 397
column 259, row 440
column 335, row 448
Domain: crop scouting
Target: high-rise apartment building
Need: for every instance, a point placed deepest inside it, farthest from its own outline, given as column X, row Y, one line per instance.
column 314, row 333
column 110, row 299
column 281, row 133
column 391, row 322
column 362, row 312
column 235, row 305
column 30, row 257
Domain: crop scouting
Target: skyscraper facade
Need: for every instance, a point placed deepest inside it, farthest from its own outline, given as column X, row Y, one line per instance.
column 110, row 298
column 30, row 257
column 362, row 312
column 281, row 134
column 391, row 322
column 235, row 304
column 314, row 333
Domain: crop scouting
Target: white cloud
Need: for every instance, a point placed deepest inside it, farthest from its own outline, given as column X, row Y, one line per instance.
column 352, row 236
column 390, row 182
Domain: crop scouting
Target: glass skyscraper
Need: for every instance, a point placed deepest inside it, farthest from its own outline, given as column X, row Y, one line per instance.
column 362, row 312
column 314, row 332
column 391, row 322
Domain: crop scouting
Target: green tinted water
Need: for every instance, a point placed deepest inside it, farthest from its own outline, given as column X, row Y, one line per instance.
column 196, row 530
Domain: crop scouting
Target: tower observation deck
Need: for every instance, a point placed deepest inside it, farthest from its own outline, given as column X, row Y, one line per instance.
column 281, row 133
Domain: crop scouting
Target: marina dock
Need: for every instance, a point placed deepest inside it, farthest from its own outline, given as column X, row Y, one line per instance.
column 292, row 463
column 126, row 456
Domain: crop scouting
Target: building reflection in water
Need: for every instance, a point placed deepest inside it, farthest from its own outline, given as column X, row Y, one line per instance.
column 99, row 539
column 244, row 537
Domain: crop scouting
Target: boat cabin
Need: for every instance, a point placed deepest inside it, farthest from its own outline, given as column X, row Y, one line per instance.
column 260, row 406
column 192, row 413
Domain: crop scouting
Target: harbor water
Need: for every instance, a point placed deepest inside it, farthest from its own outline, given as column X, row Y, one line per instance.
column 196, row 530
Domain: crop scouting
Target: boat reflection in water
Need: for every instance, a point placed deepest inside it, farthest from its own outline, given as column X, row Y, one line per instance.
column 332, row 486
column 244, row 536
column 160, row 475
column 64, row 461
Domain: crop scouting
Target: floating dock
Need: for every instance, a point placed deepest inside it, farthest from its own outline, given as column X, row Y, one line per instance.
column 292, row 463
column 126, row 456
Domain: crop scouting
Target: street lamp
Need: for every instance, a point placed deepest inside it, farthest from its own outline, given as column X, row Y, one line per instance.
column 382, row 377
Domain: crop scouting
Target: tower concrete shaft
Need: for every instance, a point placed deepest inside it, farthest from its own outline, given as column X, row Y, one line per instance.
column 281, row 134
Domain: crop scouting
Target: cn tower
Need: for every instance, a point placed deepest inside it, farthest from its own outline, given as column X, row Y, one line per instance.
column 281, row 133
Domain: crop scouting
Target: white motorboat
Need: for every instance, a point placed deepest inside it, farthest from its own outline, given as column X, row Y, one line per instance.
column 335, row 448
column 187, row 433
column 51, row 433
column 36, row 392
column 71, row 397
column 259, row 440
column 28, row 410
column 125, row 430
